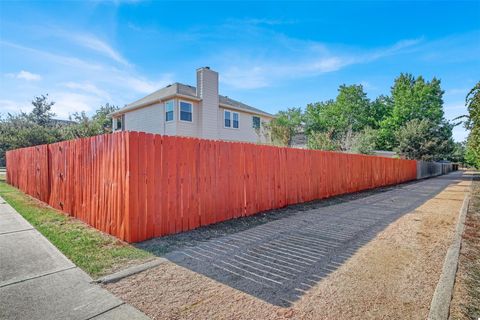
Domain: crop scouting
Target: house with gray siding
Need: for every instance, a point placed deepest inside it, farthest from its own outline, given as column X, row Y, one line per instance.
column 183, row 110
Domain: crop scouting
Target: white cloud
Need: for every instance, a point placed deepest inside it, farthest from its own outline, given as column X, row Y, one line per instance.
column 259, row 76
column 260, row 21
column 15, row 105
column 245, row 78
column 455, row 107
column 8, row 106
column 73, row 62
column 328, row 64
column 25, row 75
column 28, row 76
column 95, row 44
column 142, row 85
column 79, row 85
column 85, row 40
column 400, row 46
column 88, row 88
column 250, row 72
column 368, row 86
column 103, row 74
column 67, row 103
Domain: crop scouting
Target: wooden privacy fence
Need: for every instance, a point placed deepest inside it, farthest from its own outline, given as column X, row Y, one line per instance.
column 137, row 186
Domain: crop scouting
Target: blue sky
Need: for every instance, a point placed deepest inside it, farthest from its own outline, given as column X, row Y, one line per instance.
column 271, row 55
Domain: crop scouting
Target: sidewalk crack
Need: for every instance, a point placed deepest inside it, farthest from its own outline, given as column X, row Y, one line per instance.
column 36, row 277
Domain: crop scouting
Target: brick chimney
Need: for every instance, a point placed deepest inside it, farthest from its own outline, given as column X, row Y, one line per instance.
column 207, row 90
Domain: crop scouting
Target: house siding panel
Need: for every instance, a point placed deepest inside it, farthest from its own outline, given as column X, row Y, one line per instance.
column 187, row 129
column 207, row 113
column 148, row 119
column 245, row 131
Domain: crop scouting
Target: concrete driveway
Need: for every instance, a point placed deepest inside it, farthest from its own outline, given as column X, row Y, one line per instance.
column 278, row 261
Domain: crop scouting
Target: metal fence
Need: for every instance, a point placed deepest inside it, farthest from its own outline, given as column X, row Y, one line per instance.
column 427, row 169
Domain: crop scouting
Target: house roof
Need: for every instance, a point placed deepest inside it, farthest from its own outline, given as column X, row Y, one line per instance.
column 186, row 91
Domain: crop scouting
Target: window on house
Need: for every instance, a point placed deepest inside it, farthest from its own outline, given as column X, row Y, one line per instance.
column 231, row 119
column 255, row 122
column 185, row 111
column 169, row 106
column 235, row 120
column 118, row 123
column 228, row 121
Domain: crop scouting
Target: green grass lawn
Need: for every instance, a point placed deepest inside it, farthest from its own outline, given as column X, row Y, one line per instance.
column 95, row 252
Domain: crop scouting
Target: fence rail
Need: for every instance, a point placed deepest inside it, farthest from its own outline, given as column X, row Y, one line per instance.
column 137, row 186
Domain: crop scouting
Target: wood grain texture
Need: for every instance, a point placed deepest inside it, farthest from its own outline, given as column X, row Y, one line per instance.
column 137, row 186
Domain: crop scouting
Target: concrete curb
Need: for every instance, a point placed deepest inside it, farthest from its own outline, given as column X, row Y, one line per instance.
column 440, row 305
column 114, row 277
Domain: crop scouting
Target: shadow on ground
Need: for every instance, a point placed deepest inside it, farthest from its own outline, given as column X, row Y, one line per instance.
column 278, row 255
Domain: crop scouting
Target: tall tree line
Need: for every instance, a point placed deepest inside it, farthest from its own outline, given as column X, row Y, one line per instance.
column 40, row 126
column 472, row 152
column 409, row 121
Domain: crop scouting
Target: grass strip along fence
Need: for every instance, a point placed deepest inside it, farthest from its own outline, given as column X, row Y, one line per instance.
column 137, row 186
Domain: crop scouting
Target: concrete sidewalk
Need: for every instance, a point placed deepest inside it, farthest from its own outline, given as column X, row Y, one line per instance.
column 38, row 282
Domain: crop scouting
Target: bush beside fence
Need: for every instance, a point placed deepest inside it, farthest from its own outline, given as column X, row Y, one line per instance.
column 137, row 186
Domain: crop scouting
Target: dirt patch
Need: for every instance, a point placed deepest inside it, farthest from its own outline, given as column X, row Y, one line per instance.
column 466, row 295
column 393, row 276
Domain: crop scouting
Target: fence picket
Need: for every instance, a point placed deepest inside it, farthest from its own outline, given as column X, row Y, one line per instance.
column 138, row 186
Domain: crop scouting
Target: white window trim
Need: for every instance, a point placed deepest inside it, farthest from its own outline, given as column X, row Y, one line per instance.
column 115, row 124
column 165, row 113
column 231, row 119
column 180, row 110
column 238, row 117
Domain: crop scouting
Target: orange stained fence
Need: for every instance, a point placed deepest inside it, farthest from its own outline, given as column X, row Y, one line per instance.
column 137, row 186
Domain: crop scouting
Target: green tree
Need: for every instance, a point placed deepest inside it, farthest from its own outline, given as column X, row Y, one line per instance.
column 472, row 152
column 18, row 131
column 346, row 121
column 41, row 113
column 458, row 153
column 102, row 119
column 472, row 101
column 285, row 126
column 365, row 141
column 411, row 98
column 318, row 117
column 424, row 140
column 380, row 109
column 84, row 126
column 351, row 110
column 322, row 141
column 39, row 126
column 353, row 123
